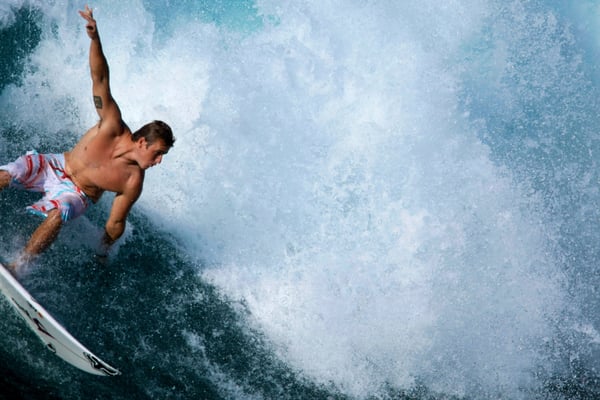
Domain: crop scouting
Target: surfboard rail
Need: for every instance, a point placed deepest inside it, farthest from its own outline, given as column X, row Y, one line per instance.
column 55, row 337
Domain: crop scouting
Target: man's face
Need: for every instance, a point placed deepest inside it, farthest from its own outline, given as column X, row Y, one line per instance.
column 151, row 155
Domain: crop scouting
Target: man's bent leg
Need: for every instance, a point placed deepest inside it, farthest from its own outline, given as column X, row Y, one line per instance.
column 45, row 234
column 42, row 237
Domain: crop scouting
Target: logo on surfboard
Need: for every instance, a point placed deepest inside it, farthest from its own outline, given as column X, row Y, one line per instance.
column 36, row 321
column 100, row 366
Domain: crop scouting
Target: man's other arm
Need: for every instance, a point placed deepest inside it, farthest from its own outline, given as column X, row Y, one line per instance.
column 115, row 225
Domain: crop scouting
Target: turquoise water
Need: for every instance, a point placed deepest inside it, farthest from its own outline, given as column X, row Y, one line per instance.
column 366, row 200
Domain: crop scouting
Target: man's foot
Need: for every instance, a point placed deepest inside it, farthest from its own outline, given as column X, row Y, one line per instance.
column 18, row 266
column 13, row 269
column 10, row 266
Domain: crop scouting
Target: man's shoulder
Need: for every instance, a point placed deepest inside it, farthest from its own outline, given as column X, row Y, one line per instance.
column 113, row 127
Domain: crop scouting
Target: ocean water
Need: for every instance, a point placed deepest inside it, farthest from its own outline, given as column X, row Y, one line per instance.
column 366, row 200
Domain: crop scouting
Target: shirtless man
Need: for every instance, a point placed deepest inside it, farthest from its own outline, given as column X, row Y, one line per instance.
column 109, row 157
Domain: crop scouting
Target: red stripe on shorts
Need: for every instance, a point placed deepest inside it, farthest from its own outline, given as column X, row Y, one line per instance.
column 29, row 168
column 41, row 167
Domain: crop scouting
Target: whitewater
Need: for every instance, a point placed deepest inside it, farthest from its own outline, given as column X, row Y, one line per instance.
column 365, row 200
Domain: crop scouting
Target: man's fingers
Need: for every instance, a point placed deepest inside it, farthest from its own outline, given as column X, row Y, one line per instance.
column 87, row 13
column 85, row 16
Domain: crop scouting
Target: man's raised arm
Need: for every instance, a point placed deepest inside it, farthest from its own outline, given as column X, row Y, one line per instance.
column 105, row 104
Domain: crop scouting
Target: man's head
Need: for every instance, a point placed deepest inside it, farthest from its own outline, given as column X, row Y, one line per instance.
column 153, row 141
column 155, row 130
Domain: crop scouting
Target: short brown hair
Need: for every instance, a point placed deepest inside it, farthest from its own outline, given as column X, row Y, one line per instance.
column 155, row 130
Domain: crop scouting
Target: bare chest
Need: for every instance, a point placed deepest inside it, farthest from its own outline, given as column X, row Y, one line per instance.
column 111, row 175
column 96, row 171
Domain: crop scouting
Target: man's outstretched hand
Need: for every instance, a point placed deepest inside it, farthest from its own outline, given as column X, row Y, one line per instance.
column 91, row 22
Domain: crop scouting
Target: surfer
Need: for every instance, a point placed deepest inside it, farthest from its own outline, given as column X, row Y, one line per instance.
column 108, row 157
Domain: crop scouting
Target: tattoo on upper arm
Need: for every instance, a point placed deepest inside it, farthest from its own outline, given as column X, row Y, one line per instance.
column 98, row 101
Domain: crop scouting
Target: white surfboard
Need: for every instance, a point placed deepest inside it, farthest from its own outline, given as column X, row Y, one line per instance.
column 55, row 337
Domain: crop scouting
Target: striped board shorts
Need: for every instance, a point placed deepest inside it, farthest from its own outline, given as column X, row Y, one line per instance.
column 45, row 173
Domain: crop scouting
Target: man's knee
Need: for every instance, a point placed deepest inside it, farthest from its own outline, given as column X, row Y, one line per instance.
column 51, row 224
column 5, row 179
column 45, row 234
column 54, row 218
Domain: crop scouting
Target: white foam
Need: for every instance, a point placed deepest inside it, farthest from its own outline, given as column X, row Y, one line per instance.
column 326, row 174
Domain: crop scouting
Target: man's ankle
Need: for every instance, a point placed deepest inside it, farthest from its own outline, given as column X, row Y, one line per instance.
column 20, row 263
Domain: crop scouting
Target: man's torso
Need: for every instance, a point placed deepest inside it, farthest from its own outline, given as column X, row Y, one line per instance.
column 99, row 162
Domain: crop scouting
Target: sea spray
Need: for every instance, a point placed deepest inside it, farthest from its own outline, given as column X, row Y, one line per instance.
column 348, row 202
